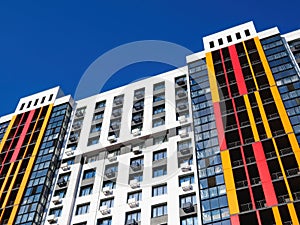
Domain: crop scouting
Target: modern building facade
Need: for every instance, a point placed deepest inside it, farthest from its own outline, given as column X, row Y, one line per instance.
column 31, row 142
column 215, row 142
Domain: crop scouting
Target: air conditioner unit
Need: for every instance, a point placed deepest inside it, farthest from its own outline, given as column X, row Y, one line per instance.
column 76, row 125
column 182, row 119
column 185, row 167
column 111, row 157
column 112, row 138
column 135, row 166
column 79, row 113
column 65, row 166
column 116, row 112
column 136, row 132
column 110, row 174
column 115, row 125
column 186, row 186
column 183, row 133
column 73, row 138
column 181, row 93
column 132, row 202
column 56, row 200
column 134, row 183
column 188, row 207
column 118, row 101
column 137, row 119
column 139, row 94
column 131, row 222
column 107, row 190
column 181, row 106
column 104, row 210
column 180, row 81
column 138, row 106
column 69, row 152
column 136, row 150
column 51, row 219
column 185, row 151
column 61, row 182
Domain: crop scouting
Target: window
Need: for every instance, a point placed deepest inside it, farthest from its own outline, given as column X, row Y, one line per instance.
column 229, row 39
column 65, row 177
column 133, row 216
column 159, row 190
column 158, row 109
column 69, row 161
column 184, row 145
column 100, row 105
column 96, row 127
column 238, row 35
column 159, row 97
column 187, row 199
column 110, row 184
column 159, row 86
column 104, row 221
column 211, row 44
column 56, row 212
column 136, row 195
column 161, row 154
column 193, row 220
column 160, row 139
column 137, row 162
column 160, row 171
column 61, row 193
column 92, row 158
column 158, row 122
column 138, row 177
column 93, row 141
column 83, row 209
column 98, row 115
column 220, row 41
column 109, row 202
column 89, row 174
column 247, row 32
column 86, row 190
column 159, row 210
column 189, row 178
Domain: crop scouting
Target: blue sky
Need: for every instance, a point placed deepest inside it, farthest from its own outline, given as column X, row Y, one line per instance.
column 48, row 43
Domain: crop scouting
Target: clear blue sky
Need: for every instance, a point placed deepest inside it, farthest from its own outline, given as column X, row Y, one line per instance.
column 48, row 43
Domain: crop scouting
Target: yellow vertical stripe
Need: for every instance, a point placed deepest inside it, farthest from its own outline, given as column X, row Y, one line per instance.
column 295, row 147
column 7, row 132
column 276, row 214
column 250, row 65
column 229, row 181
column 29, row 166
column 264, row 61
column 293, row 214
column 263, row 115
column 281, row 110
column 251, row 118
column 282, row 170
column 212, row 78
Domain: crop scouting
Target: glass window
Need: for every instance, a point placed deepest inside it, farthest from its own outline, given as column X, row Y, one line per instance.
column 193, row 220
column 189, row 178
column 100, row 105
column 159, row 97
column 158, row 122
column 188, row 199
column 111, row 184
column 89, row 174
column 83, row 209
column 98, row 115
column 95, row 128
column 133, row 216
column 159, row 210
column 159, row 190
column 160, row 171
column 109, row 202
column 159, row 86
column 158, row 109
column 86, row 190
column 56, row 212
column 105, row 221
column 136, row 195
column 61, row 193
column 161, row 154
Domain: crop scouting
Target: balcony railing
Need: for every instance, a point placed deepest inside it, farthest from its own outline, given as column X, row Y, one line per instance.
column 246, row 207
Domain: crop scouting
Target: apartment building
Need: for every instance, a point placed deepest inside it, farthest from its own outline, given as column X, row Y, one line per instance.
column 215, row 142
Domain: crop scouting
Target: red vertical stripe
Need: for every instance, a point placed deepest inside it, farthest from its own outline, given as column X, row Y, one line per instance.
column 264, row 174
column 237, row 70
column 220, row 126
column 22, row 136
column 234, row 219
column 11, row 143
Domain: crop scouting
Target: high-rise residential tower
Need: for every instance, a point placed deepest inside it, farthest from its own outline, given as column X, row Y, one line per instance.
column 215, row 142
